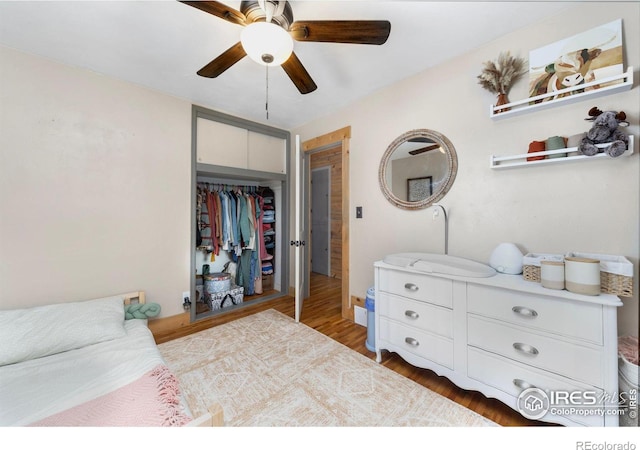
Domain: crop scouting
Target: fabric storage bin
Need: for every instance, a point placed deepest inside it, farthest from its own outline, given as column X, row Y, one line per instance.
column 224, row 299
column 531, row 264
column 616, row 273
column 628, row 379
column 217, row 282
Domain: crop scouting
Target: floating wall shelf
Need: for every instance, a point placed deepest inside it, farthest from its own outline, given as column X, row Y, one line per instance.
column 524, row 106
column 504, row 162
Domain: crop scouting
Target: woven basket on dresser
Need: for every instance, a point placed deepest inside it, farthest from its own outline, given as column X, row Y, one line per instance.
column 611, row 283
column 531, row 273
column 531, row 265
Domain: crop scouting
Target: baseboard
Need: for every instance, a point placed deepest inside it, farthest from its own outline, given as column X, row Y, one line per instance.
column 170, row 323
column 357, row 301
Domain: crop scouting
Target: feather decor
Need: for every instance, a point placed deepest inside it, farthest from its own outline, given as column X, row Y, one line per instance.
column 498, row 76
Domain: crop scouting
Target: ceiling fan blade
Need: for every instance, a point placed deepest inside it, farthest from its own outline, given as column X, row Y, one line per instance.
column 223, row 62
column 299, row 75
column 424, row 149
column 220, row 10
column 422, row 139
column 341, row 31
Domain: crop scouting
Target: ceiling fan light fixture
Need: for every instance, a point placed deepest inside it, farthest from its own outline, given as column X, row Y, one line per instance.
column 266, row 43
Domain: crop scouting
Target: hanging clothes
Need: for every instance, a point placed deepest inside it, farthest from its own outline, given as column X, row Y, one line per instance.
column 211, row 211
column 233, row 218
column 243, row 222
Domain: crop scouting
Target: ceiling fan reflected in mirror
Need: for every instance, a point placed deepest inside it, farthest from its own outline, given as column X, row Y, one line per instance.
column 270, row 31
column 419, row 151
column 423, row 140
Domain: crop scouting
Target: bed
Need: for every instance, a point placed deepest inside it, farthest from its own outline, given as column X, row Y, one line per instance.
column 84, row 364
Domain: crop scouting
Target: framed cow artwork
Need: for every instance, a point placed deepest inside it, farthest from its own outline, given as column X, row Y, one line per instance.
column 581, row 59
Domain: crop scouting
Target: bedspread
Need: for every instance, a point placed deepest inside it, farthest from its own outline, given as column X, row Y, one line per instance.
column 34, row 390
column 152, row 400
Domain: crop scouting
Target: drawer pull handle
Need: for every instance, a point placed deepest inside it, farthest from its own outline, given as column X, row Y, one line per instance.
column 525, row 348
column 522, row 384
column 524, row 311
column 411, row 341
column 411, row 286
column 411, row 314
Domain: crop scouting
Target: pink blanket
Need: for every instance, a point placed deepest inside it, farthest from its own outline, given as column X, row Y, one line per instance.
column 152, row 400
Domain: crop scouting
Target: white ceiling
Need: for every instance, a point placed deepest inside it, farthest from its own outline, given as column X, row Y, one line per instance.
column 161, row 45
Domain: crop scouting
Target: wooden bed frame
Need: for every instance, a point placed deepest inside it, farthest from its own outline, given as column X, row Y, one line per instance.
column 215, row 415
column 134, row 297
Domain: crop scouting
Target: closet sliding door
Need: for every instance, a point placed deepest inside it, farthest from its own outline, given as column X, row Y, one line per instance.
column 241, row 168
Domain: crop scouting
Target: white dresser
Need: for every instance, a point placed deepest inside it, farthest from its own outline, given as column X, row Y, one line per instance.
column 502, row 335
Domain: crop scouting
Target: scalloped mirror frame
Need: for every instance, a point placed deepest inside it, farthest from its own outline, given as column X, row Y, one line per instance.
column 452, row 159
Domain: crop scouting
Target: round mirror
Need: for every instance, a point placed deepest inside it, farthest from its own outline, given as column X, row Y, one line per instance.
column 418, row 169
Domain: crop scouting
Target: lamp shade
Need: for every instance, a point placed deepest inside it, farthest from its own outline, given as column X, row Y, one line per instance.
column 266, row 43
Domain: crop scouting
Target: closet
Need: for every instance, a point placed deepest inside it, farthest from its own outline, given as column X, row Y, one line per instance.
column 240, row 203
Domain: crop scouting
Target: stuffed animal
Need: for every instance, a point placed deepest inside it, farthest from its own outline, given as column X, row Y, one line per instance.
column 605, row 131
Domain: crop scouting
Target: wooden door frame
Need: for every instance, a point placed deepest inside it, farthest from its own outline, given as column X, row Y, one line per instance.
column 334, row 139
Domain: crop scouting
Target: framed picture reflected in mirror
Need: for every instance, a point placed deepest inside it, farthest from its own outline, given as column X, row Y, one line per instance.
column 419, row 188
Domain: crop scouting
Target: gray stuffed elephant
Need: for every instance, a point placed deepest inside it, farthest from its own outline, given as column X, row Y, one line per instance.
column 605, row 131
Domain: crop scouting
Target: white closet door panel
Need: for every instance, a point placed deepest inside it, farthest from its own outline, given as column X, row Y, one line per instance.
column 266, row 153
column 221, row 144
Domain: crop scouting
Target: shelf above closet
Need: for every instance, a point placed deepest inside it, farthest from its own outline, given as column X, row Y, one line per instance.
column 523, row 106
column 505, row 162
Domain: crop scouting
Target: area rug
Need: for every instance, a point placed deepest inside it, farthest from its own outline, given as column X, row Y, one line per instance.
column 268, row 370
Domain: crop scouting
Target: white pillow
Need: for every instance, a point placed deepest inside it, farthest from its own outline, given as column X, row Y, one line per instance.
column 45, row 330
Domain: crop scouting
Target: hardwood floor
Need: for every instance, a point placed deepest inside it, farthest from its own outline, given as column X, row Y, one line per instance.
column 322, row 311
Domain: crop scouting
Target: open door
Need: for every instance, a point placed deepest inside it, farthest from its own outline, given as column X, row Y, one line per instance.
column 299, row 233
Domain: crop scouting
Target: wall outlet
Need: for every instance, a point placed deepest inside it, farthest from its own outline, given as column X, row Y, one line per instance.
column 360, row 315
column 186, row 300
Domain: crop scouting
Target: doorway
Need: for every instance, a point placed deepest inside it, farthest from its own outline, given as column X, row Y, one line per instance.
column 317, row 151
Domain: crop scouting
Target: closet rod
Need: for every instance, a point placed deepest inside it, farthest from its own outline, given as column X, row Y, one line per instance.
column 227, row 187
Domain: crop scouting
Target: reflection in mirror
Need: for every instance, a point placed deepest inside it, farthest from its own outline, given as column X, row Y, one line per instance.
column 418, row 169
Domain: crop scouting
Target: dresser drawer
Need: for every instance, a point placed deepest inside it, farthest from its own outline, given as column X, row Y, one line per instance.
column 577, row 362
column 420, row 343
column 512, row 378
column 438, row 291
column 425, row 316
column 553, row 315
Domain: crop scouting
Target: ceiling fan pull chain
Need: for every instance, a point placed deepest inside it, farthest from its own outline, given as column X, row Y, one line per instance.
column 266, row 105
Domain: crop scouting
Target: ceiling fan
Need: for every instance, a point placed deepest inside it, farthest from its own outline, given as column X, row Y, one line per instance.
column 269, row 33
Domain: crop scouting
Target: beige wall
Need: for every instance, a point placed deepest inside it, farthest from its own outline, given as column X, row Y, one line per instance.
column 94, row 187
column 590, row 206
column 95, row 174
